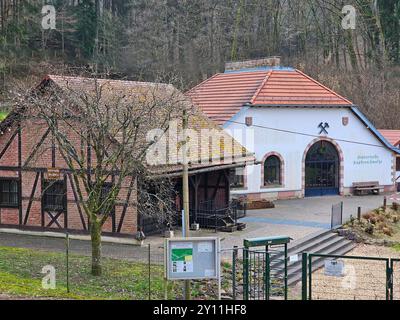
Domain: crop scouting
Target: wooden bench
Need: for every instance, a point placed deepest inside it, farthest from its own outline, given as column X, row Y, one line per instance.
column 366, row 187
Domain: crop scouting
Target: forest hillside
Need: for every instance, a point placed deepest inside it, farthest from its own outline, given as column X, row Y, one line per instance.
column 192, row 40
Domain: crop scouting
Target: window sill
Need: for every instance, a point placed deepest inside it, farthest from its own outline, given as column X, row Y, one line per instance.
column 275, row 186
column 239, row 188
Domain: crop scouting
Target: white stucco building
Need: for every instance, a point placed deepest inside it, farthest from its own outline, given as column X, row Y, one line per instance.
column 307, row 139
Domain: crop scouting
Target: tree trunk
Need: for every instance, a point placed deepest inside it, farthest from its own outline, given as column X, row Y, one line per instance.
column 95, row 235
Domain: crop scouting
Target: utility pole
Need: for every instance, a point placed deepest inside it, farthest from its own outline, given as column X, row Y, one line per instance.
column 185, row 185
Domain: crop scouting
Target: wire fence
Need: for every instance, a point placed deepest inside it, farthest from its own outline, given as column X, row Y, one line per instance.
column 396, row 279
column 348, row 278
column 136, row 273
column 62, row 269
column 232, row 274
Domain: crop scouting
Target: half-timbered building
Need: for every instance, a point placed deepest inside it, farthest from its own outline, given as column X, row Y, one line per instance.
column 37, row 190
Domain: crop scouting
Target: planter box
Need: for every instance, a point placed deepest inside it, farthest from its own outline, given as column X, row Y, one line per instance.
column 260, row 204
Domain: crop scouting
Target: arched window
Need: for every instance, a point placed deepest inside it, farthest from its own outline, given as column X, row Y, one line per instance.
column 272, row 171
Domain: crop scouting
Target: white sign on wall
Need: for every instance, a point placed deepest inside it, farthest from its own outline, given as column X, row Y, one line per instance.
column 368, row 160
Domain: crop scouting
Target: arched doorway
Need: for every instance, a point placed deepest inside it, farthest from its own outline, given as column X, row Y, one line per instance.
column 322, row 170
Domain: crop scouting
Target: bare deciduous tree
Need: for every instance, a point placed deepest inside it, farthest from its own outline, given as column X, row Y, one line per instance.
column 100, row 129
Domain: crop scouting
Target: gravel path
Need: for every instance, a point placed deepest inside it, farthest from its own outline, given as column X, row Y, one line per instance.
column 363, row 279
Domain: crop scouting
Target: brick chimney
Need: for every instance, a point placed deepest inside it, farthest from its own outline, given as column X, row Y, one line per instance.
column 249, row 64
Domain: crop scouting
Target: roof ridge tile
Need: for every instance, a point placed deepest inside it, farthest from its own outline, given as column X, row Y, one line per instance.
column 260, row 87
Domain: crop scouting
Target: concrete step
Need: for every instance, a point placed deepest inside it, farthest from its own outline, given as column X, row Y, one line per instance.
column 316, row 247
column 310, row 245
column 296, row 245
column 324, row 242
column 331, row 249
column 294, row 276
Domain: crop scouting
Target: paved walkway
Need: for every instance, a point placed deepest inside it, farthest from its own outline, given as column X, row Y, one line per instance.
column 294, row 218
column 314, row 212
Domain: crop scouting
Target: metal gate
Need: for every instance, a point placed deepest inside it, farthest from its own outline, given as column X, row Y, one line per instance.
column 322, row 170
column 337, row 277
column 265, row 265
column 395, row 279
column 256, row 275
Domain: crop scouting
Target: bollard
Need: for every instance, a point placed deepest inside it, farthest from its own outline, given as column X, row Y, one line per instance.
column 359, row 214
column 384, row 202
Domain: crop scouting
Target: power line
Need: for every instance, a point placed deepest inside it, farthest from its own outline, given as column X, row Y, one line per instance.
column 304, row 134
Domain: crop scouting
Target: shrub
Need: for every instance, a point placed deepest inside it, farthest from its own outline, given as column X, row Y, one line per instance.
column 395, row 206
column 373, row 219
column 388, row 231
column 366, row 216
column 352, row 220
column 395, row 219
column 381, row 218
column 369, row 229
column 381, row 225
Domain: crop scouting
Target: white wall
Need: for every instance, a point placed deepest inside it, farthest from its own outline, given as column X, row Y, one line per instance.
column 369, row 160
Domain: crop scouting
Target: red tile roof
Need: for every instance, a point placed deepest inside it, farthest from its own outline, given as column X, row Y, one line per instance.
column 393, row 136
column 224, row 94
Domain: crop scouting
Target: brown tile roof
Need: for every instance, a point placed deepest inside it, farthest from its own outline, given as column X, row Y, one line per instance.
column 227, row 151
column 81, row 84
column 393, row 136
column 223, row 95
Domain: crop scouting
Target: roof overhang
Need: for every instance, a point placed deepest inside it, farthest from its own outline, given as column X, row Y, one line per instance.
column 198, row 170
column 375, row 131
column 314, row 106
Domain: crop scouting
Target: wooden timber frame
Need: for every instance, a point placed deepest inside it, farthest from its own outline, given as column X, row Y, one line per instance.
column 50, row 220
column 205, row 185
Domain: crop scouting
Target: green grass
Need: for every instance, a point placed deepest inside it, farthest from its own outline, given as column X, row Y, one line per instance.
column 396, row 247
column 20, row 275
column 3, row 115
